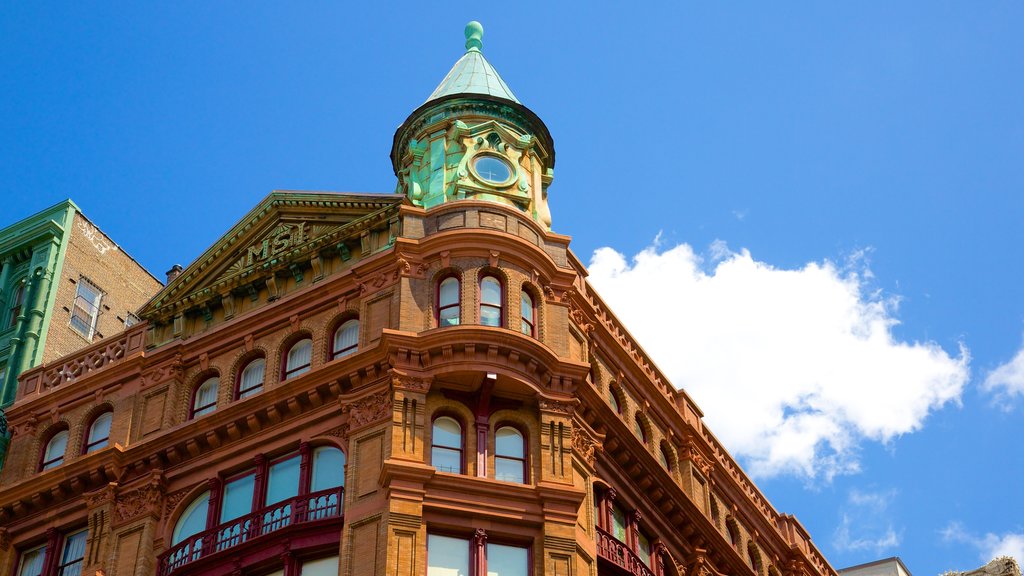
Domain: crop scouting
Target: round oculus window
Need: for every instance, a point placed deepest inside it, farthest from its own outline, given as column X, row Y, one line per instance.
column 492, row 169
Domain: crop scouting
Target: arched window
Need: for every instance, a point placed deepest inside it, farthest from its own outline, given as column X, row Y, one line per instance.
column 250, row 381
column 53, row 455
column 204, row 400
column 328, row 472
column 528, row 314
column 755, row 558
column 346, row 339
column 509, row 455
column 665, row 457
column 448, row 309
column 17, row 301
column 490, row 301
column 298, row 359
column 192, row 520
column 638, row 427
column 99, row 432
column 733, row 532
column 613, row 399
column 446, row 445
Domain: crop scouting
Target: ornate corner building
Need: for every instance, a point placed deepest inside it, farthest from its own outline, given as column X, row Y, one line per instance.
column 63, row 285
column 368, row 384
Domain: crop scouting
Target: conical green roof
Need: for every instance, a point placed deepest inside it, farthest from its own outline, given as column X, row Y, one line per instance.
column 473, row 74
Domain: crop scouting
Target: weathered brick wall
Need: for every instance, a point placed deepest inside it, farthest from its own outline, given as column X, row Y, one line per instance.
column 125, row 284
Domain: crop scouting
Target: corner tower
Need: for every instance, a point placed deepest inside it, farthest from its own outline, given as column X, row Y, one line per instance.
column 473, row 139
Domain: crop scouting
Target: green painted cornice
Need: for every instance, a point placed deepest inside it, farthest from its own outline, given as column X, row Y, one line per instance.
column 18, row 239
column 217, row 269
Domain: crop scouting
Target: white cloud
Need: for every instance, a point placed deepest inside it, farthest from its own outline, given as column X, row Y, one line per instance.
column 866, row 513
column 1007, row 380
column 989, row 545
column 793, row 368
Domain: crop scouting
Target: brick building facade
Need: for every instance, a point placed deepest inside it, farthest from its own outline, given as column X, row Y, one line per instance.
column 63, row 285
column 366, row 384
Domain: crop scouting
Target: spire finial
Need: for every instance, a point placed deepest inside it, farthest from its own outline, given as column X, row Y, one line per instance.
column 474, row 33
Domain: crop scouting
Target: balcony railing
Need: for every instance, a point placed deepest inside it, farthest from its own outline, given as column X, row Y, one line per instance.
column 321, row 505
column 615, row 551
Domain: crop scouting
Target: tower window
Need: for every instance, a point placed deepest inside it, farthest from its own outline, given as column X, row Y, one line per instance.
column 492, row 169
column 448, row 309
column 85, row 310
column 490, row 301
column 528, row 314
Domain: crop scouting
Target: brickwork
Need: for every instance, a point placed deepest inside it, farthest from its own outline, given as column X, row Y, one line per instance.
column 125, row 284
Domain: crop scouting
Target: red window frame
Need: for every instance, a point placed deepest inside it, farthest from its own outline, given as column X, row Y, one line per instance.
column 437, row 298
column 526, row 451
column 89, row 446
column 478, row 549
column 532, row 324
column 238, row 378
column 192, row 410
column 287, row 372
column 462, row 441
column 43, row 464
column 340, row 353
column 500, row 306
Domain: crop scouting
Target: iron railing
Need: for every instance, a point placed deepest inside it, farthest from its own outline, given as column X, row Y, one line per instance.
column 615, row 551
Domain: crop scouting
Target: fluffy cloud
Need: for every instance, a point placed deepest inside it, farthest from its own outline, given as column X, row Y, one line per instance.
column 794, row 368
column 989, row 545
column 1007, row 380
column 866, row 513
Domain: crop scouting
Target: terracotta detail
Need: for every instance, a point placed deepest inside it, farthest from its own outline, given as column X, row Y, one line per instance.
column 369, row 409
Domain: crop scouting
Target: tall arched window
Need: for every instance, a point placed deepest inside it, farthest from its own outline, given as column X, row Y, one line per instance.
column 490, row 301
column 298, row 359
column 53, row 455
column 17, row 301
column 638, row 427
column 528, row 314
column 448, row 309
column 346, row 339
column 613, row 399
column 250, row 381
column 446, row 445
column 328, row 472
column 509, row 455
column 204, row 400
column 99, row 432
column 664, row 456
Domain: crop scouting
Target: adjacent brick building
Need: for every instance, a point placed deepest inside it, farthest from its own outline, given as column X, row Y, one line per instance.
column 63, row 285
column 402, row 384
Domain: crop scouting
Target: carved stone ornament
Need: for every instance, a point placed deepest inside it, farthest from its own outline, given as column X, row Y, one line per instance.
column 172, row 499
column 559, row 406
column 577, row 315
column 692, row 453
column 337, row 432
column 102, row 496
column 369, row 409
column 584, row 445
column 145, row 500
column 411, row 383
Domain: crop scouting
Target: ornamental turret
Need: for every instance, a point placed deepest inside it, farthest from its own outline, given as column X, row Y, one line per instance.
column 473, row 139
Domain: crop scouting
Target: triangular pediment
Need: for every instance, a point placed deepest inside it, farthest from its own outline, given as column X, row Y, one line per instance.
column 284, row 228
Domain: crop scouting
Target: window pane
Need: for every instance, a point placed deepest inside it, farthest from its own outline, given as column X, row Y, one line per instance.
column 492, row 170
column 283, row 480
column 99, row 432
column 299, row 358
column 526, row 305
column 509, row 442
column 346, row 339
column 206, row 397
column 490, row 291
column 447, row 556
column 449, row 292
column 446, row 459
column 644, row 548
column 506, row 560
column 55, row 450
column 449, row 316
column 32, row 562
column 193, row 519
column 328, row 469
column 447, row 432
column 252, row 378
column 618, row 523
column 321, row 567
column 508, row 470
column 490, row 316
column 74, row 552
column 237, row 498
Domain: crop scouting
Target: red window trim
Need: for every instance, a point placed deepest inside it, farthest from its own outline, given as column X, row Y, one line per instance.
column 334, row 337
column 195, row 390
column 526, row 449
column 86, row 445
column 477, row 542
column 42, row 453
column 462, row 440
column 287, row 373
column 437, row 298
column 480, row 299
column 238, row 377
column 533, row 307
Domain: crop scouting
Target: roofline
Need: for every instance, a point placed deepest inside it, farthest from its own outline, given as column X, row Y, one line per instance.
column 877, row 562
column 530, row 115
column 63, row 204
column 119, row 247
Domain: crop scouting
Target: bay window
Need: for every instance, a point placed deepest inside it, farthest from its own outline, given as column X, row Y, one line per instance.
column 527, row 313
column 490, row 301
column 456, row 556
column 448, row 309
column 509, row 455
column 446, row 445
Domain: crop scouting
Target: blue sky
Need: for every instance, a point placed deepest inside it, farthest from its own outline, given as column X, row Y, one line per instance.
column 835, row 188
